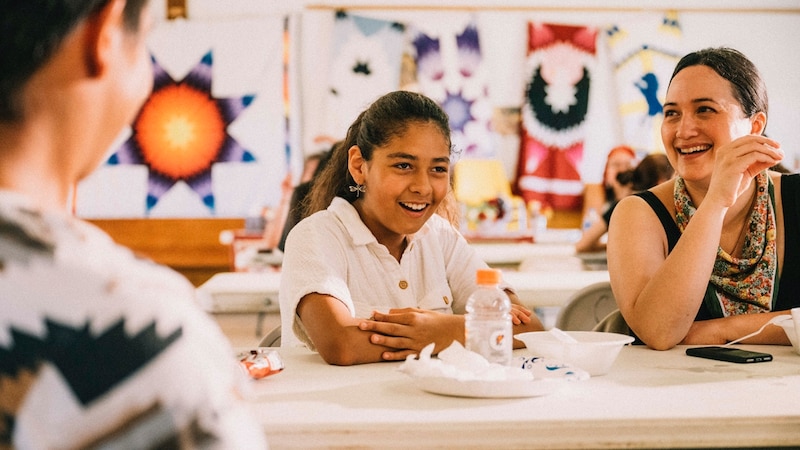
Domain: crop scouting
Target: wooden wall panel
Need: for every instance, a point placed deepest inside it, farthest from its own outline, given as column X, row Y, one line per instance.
column 190, row 246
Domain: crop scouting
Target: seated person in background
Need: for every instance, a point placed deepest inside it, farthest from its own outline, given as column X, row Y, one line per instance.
column 715, row 251
column 314, row 165
column 373, row 273
column 780, row 168
column 98, row 349
column 599, row 197
column 654, row 169
column 620, row 159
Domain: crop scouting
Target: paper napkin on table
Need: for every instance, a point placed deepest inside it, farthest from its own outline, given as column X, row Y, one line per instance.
column 461, row 364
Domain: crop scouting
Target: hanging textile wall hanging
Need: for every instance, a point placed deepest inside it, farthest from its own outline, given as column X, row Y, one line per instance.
column 644, row 53
column 211, row 139
column 559, row 66
column 450, row 70
column 365, row 64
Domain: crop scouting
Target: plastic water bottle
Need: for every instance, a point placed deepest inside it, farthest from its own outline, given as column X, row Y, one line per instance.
column 488, row 319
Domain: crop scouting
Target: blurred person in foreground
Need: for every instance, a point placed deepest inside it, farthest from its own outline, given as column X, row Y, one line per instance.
column 97, row 348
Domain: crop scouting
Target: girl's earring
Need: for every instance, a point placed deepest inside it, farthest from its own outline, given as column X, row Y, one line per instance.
column 358, row 189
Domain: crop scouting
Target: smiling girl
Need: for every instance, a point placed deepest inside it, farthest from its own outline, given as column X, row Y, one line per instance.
column 715, row 252
column 374, row 273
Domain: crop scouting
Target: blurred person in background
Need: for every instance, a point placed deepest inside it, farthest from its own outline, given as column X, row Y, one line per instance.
column 653, row 170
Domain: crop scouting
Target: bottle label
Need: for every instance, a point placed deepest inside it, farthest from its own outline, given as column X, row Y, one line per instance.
column 490, row 339
column 497, row 340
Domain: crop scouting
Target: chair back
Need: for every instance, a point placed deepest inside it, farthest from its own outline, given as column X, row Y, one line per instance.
column 587, row 308
column 614, row 323
column 272, row 339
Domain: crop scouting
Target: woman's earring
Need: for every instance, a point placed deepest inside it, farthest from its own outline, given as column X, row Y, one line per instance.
column 358, row 189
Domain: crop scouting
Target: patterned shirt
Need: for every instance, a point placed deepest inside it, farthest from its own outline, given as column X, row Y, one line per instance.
column 99, row 347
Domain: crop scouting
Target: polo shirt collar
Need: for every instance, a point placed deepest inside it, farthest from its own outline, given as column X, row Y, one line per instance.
column 359, row 233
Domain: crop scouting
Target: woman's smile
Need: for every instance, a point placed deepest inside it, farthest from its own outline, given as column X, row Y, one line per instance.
column 695, row 149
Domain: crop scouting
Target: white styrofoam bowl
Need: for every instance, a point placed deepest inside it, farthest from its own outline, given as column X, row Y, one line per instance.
column 792, row 329
column 595, row 351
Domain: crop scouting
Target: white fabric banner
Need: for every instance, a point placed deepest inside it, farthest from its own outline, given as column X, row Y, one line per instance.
column 237, row 64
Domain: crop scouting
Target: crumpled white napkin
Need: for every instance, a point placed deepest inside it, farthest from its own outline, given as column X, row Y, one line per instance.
column 461, row 364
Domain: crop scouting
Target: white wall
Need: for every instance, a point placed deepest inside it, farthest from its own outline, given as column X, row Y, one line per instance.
column 767, row 31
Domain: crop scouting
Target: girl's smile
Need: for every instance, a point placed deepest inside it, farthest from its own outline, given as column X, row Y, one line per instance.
column 405, row 181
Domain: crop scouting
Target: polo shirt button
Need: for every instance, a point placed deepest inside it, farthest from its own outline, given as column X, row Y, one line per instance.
column 403, row 284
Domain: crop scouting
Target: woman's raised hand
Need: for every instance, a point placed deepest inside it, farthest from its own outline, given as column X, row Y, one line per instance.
column 737, row 163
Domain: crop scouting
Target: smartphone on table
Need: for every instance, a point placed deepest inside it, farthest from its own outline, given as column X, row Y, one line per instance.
column 730, row 354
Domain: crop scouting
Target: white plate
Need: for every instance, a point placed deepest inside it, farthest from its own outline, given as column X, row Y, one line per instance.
column 461, row 373
column 489, row 389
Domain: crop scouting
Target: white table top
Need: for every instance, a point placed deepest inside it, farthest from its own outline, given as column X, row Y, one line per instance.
column 539, row 288
column 240, row 292
column 544, row 274
column 649, row 399
column 508, row 253
column 258, row 292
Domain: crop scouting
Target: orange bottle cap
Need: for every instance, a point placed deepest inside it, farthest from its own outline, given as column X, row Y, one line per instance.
column 488, row 276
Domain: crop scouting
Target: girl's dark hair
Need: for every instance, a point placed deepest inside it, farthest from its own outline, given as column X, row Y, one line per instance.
column 32, row 31
column 748, row 86
column 653, row 169
column 386, row 118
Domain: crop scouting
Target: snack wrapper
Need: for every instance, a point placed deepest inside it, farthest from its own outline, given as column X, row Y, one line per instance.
column 261, row 362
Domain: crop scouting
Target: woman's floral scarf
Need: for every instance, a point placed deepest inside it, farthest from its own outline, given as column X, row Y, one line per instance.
column 747, row 284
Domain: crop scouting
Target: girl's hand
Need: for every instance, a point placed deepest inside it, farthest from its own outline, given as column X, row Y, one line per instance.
column 520, row 315
column 409, row 330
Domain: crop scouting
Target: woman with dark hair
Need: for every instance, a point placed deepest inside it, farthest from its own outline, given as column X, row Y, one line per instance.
column 715, row 254
column 299, row 196
column 620, row 159
column 373, row 273
column 651, row 171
